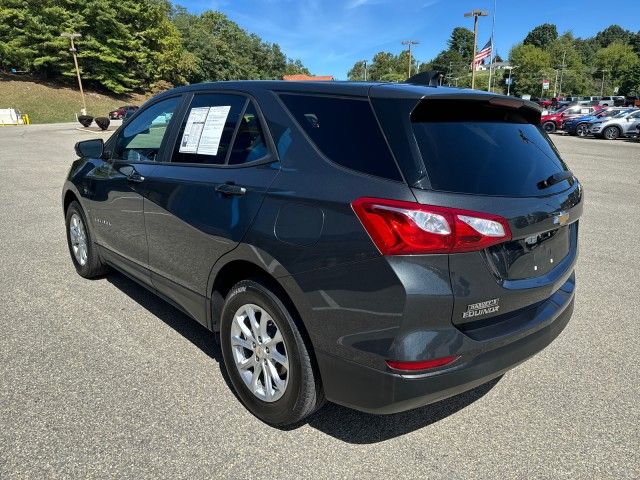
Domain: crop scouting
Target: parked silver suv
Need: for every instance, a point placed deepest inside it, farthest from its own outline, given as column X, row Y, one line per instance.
column 620, row 125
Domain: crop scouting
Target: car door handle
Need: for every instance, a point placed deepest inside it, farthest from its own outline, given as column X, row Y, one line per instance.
column 135, row 177
column 230, row 189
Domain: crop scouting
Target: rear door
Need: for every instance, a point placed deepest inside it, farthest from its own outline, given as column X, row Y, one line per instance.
column 494, row 158
column 201, row 203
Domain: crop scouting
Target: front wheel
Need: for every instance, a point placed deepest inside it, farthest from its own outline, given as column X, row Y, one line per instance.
column 549, row 127
column 582, row 130
column 266, row 357
column 611, row 133
column 84, row 253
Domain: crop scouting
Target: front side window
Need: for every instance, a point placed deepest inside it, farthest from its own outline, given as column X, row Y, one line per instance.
column 141, row 139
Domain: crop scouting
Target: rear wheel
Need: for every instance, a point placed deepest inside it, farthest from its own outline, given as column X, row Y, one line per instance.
column 266, row 357
column 549, row 127
column 582, row 130
column 84, row 253
column 611, row 133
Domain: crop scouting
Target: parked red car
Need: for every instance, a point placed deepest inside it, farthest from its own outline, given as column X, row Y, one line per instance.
column 120, row 112
column 553, row 121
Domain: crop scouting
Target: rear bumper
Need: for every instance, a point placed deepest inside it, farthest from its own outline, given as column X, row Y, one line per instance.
column 386, row 392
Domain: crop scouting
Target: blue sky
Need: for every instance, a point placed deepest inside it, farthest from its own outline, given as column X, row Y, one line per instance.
column 330, row 35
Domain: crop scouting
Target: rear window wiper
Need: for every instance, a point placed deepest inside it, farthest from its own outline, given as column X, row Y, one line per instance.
column 555, row 178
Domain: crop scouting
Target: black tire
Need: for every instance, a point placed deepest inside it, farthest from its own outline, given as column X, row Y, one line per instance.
column 549, row 127
column 582, row 129
column 611, row 133
column 303, row 393
column 93, row 266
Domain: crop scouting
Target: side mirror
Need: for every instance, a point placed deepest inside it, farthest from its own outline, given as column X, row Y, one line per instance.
column 90, row 148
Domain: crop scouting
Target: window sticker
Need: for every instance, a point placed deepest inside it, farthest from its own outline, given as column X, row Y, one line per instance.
column 193, row 130
column 212, row 131
column 203, row 130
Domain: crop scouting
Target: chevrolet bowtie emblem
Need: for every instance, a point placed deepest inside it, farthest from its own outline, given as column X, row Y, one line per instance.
column 561, row 218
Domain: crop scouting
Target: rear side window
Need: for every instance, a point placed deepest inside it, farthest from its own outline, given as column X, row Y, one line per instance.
column 492, row 152
column 250, row 144
column 345, row 131
column 208, row 127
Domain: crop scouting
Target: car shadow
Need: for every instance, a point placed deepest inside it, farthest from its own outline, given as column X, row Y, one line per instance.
column 343, row 423
column 357, row 427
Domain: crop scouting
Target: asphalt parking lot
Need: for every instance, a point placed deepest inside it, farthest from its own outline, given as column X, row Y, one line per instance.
column 102, row 379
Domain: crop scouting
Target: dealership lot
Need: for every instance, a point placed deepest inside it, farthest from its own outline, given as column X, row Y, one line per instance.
column 102, row 379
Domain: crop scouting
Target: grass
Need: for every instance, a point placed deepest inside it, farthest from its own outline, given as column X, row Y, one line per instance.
column 47, row 102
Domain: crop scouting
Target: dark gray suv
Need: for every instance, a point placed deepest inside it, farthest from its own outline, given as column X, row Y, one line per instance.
column 381, row 246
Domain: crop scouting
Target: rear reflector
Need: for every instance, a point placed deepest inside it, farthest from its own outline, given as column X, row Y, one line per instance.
column 406, row 228
column 422, row 364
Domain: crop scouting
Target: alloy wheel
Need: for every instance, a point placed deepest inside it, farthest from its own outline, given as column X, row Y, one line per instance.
column 259, row 352
column 582, row 130
column 78, row 239
column 611, row 133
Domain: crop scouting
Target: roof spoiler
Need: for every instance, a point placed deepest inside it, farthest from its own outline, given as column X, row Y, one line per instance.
column 430, row 78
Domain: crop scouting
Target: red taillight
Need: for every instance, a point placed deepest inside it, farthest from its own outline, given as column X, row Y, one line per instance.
column 421, row 364
column 406, row 228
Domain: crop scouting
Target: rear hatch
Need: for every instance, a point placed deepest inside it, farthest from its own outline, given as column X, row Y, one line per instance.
column 486, row 153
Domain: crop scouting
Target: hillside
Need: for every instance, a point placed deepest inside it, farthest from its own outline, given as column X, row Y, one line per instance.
column 49, row 103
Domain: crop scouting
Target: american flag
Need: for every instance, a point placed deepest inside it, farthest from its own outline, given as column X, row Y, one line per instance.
column 482, row 54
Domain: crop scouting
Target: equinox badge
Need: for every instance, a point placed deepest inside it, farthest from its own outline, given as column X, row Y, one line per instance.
column 482, row 308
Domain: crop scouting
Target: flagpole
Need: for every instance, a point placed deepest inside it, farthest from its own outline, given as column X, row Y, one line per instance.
column 493, row 29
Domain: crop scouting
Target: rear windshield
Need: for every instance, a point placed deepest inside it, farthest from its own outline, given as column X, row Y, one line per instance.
column 487, row 153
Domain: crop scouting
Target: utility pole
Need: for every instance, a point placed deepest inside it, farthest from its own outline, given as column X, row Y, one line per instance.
column 475, row 14
column 71, row 37
column 602, row 87
column 365, row 70
column 493, row 55
column 564, row 56
column 555, row 85
column 410, row 43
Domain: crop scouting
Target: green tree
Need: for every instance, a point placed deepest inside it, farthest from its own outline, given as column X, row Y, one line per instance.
column 356, row 73
column 613, row 34
column 618, row 61
column 542, row 35
column 461, row 41
column 534, row 65
column 294, row 67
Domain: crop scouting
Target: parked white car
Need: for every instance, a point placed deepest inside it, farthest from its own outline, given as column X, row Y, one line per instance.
column 615, row 100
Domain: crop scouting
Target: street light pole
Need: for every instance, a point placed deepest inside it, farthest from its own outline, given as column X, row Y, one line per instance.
column 71, row 37
column 475, row 14
column 509, row 81
column 410, row 43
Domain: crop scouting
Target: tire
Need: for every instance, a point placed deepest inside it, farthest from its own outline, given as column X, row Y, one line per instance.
column 611, row 133
column 549, row 127
column 301, row 393
column 79, row 240
column 582, row 129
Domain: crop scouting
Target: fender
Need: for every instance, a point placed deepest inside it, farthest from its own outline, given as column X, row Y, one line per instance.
column 263, row 260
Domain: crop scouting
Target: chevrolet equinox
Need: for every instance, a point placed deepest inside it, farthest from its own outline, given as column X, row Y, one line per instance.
column 381, row 246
